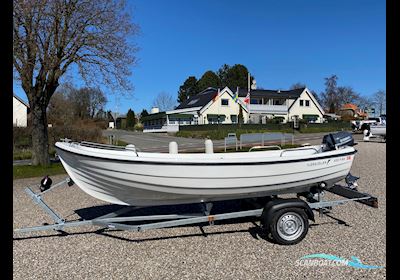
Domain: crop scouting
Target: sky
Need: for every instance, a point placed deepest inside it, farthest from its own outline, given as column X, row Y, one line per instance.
column 280, row 42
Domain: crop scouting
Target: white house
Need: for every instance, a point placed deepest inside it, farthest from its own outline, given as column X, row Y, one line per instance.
column 20, row 112
column 268, row 104
column 210, row 106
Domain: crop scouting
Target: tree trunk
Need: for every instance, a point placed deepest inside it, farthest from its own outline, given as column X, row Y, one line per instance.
column 40, row 138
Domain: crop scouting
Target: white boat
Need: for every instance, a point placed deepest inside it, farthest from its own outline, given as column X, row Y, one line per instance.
column 122, row 175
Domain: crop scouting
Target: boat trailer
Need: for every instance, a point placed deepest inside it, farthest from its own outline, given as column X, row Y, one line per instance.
column 286, row 219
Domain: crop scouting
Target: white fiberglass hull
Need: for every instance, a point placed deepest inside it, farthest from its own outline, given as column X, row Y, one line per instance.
column 146, row 179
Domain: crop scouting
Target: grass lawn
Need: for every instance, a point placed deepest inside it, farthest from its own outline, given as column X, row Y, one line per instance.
column 29, row 171
column 26, row 153
column 22, row 154
column 121, row 143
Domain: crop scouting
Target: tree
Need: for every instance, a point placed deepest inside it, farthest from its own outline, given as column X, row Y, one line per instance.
column 363, row 102
column 101, row 115
column 379, row 98
column 346, row 95
column 316, row 96
column 51, row 38
column 59, row 110
column 164, row 102
column 189, row 88
column 222, row 73
column 209, row 79
column 97, row 101
column 130, row 119
column 329, row 97
column 298, row 85
column 110, row 116
column 240, row 117
column 79, row 102
column 236, row 76
column 335, row 97
column 143, row 114
column 69, row 104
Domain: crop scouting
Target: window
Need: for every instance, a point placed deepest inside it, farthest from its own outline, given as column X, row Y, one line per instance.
column 301, row 102
column 234, row 118
column 255, row 101
column 279, row 101
column 224, row 102
column 308, row 103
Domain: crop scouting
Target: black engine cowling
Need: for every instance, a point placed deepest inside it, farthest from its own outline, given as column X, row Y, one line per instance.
column 332, row 141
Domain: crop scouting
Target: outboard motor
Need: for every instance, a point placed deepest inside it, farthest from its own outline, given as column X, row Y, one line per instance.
column 333, row 141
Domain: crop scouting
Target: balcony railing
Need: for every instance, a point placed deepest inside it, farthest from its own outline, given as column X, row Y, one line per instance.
column 271, row 109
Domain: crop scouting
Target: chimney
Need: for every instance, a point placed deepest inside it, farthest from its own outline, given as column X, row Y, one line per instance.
column 154, row 110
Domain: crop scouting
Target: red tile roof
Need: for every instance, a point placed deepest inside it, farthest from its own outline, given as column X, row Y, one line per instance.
column 349, row 106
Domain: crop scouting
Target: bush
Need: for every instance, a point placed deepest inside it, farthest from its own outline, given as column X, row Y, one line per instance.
column 277, row 120
column 214, row 131
column 234, row 127
column 138, row 127
column 80, row 131
column 22, row 138
column 22, row 154
column 90, row 133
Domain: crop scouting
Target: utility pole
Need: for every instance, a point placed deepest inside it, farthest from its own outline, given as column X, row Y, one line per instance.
column 116, row 110
column 248, row 92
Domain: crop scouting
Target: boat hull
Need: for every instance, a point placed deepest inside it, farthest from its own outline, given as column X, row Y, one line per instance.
column 147, row 183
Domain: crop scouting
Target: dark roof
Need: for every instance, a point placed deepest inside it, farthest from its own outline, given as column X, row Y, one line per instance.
column 163, row 115
column 156, row 116
column 20, row 100
column 203, row 98
column 289, row 94
column 199, row 100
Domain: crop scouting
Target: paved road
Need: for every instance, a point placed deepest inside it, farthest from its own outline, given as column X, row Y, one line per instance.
column 158, row 142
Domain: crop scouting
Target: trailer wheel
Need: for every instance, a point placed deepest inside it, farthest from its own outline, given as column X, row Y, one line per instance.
column 289, row 226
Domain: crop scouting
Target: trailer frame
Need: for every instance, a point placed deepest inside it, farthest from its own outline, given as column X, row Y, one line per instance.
column 115, row 221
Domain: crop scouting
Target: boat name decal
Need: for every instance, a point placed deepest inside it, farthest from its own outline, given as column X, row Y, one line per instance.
column 326, row 162
column 315, row 163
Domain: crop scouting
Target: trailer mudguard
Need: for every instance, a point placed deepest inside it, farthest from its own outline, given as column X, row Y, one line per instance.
column 277, row 204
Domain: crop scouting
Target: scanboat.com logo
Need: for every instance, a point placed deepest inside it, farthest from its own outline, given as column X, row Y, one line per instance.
column 332, row 260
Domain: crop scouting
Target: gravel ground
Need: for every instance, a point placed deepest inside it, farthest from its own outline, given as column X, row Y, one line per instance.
column 228, row 251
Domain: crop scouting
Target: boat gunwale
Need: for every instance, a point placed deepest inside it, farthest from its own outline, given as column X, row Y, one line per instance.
column 136, row 160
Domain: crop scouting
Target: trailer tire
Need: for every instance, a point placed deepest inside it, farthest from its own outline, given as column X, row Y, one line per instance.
column 289, row 226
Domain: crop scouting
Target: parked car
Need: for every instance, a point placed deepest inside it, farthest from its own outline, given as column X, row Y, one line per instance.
column 364, row 124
